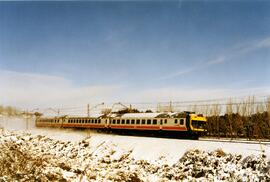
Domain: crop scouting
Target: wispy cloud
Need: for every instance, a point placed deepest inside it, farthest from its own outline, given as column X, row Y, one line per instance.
column 229, row 55
column 175, row 74
column 241, row 50
column 39, row 90
column 217, row 60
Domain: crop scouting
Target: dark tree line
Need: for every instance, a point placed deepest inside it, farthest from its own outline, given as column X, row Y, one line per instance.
column 9, row 111
column 234, row 125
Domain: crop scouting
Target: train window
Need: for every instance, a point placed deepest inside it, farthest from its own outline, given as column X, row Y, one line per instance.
column 181, row 121
column 77, row 121
column 83, row 121
column 154, row 121
column 161, row 121
column 175, row 121
column 99, row 121
column 123, row 121
column 128, row 122
column 95, row 121
column 143, row 121
column 137, row 121
column 165, row 121
column 132, row 121
column 113, row 122
column 149, row 121
column 118, row 121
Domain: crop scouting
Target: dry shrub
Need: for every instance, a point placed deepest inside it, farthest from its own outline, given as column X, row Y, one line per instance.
column 220, row 153
column 19, row 163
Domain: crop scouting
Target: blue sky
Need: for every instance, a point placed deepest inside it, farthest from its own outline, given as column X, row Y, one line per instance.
column 137, row 46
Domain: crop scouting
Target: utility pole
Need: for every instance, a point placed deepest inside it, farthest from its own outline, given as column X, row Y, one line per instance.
column 27, row 119
column 88, row 110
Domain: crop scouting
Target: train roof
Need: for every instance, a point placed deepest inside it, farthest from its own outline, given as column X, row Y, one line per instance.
column 143, row 115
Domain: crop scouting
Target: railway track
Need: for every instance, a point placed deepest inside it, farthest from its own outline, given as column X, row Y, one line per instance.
column 225, row 140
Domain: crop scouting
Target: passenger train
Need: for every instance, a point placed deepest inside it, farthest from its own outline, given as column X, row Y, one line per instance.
column 179, row 124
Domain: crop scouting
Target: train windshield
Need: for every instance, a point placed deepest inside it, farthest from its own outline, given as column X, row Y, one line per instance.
column 199, row 124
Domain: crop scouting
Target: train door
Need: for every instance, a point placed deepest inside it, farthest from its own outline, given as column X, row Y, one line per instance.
column 188, row 122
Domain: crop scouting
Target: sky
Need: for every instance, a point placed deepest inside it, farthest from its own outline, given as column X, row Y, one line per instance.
column 68, row 53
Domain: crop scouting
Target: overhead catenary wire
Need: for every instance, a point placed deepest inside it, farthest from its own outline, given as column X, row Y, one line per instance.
column 177, row 105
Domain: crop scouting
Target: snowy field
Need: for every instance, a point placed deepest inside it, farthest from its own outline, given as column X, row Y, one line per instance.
column 88, row 155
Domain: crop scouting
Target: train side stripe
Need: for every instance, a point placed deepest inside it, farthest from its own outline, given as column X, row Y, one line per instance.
column 135, row 127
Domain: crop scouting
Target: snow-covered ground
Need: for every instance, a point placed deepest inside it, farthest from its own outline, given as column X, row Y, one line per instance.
column 87, row 155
